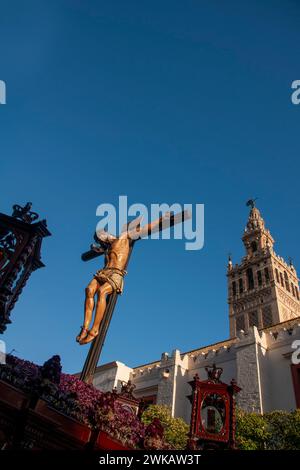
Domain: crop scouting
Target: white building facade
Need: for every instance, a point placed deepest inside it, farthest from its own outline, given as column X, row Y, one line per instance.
column 261, row 353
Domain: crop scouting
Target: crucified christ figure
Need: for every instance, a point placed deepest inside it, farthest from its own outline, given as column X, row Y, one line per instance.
column 111, row 278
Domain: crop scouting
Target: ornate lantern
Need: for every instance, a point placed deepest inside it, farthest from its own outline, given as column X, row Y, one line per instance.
column 20, row 245
column 213, row 412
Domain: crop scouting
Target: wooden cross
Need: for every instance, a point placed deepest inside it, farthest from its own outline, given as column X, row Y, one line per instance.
column 96, row 347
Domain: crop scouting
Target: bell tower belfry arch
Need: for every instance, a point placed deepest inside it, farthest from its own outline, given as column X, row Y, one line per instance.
column 263, row 289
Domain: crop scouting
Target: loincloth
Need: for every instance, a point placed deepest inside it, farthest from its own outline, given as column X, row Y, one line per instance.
column 114, row 276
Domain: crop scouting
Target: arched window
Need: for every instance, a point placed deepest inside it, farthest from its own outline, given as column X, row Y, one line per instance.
column 241, row 286
column 293, row 290
column 250, row 279
column 281, row 280
column 267, row 275
column 286, row 279
column 234, row 288
column 259, row 278
column 277, row 275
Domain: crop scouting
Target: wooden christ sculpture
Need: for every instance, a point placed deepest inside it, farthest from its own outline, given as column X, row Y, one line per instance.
column 110, row 279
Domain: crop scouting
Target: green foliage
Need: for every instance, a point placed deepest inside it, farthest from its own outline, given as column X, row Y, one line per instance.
column 251, row 431
column 284, row 430
column 278, row 430
column 175, row 429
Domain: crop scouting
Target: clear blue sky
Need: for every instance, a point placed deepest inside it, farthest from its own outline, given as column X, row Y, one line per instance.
column 165, row 101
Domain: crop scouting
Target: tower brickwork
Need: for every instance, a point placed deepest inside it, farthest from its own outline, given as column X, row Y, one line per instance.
column 263, row 289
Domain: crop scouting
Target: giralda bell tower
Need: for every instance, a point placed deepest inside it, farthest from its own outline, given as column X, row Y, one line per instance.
column 263, row 289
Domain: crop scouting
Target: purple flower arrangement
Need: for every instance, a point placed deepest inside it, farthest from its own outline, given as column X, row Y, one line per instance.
column 120, row 423
column 83, row 402
column 21, row 374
